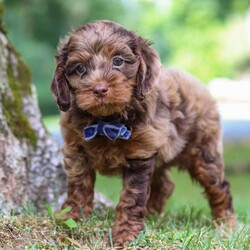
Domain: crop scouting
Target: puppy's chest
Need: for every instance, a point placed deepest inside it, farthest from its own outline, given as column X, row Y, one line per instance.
column 107, row 157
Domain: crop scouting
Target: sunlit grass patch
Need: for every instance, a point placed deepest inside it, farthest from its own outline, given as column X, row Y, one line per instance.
column 183, row 229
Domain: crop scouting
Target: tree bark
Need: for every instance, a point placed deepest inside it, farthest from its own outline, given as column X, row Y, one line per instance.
column 30, row 160
column 31, row 165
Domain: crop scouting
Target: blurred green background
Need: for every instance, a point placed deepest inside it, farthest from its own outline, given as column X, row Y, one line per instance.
column 207, row 38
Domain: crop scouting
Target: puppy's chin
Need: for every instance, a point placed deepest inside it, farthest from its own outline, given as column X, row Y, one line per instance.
column 105, row 110
column 102, row 108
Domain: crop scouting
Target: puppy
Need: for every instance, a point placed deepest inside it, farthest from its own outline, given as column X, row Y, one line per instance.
column 123, row 114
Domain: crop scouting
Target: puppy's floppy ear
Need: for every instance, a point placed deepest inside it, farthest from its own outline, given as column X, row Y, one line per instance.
column 149, row 68
column 59, row 84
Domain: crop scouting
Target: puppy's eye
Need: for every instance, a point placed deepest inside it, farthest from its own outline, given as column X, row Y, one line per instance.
column 81, row 69
column 118, row 61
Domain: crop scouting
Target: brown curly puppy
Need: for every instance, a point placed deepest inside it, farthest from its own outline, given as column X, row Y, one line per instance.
column 125, row 115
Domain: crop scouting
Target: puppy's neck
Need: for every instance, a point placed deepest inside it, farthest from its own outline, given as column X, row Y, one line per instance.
column 130, row 117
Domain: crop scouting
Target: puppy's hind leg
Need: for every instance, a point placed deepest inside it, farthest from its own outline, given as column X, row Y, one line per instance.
column 206, row 166
column 161, row 189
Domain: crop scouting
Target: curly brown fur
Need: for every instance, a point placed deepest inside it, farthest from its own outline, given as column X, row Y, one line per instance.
column 172, row 117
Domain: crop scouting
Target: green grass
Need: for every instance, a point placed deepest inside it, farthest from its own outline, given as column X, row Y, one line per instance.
column 237, row 156
column 185, row 228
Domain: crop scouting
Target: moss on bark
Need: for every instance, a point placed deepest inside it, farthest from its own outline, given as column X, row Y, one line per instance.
column 19, row 80
column 1, row 15
column 12, row 106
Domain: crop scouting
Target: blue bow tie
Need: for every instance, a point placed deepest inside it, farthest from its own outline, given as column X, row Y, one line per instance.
column 111, row 130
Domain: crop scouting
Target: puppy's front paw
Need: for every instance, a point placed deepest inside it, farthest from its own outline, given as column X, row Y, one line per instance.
column 123, row 239
column 227, row 224
column 122, row 236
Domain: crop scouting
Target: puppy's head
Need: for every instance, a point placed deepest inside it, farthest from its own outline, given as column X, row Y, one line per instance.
column 101, row 67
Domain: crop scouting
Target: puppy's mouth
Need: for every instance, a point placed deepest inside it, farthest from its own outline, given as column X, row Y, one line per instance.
column 102, row 100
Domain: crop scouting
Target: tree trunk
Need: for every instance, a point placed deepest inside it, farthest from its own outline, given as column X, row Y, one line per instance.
column 31, row 168
column 30, row 161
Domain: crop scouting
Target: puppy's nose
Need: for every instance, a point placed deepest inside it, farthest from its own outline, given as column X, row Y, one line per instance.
column 100, row 90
